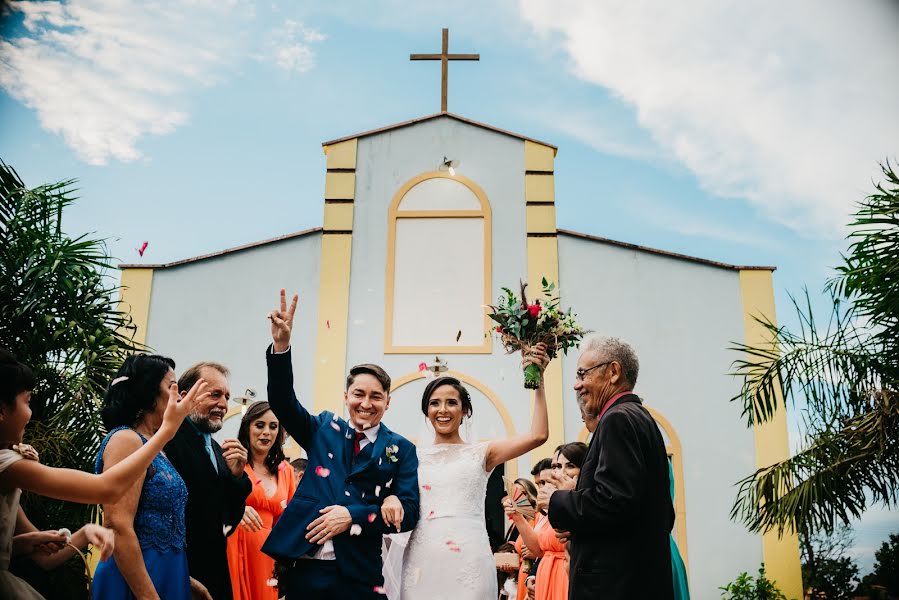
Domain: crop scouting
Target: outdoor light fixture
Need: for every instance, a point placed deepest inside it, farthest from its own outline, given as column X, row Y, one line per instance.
column 449, row 166
column 249, row 394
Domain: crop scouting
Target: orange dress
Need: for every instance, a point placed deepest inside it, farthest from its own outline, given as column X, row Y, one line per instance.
column 536, row 524
column 250, row 568
column 552, row 574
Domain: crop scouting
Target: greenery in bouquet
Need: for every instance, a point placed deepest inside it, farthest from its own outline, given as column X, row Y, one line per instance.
column 521, row 325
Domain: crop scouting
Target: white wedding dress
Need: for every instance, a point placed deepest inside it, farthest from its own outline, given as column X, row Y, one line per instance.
column 448, row 555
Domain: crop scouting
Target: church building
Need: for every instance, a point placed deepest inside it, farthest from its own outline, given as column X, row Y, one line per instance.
column 424, row 222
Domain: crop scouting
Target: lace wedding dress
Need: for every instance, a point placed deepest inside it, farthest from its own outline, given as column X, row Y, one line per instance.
column 448, row 555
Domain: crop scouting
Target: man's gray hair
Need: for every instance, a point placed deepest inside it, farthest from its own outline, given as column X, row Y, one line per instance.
column 611, row 348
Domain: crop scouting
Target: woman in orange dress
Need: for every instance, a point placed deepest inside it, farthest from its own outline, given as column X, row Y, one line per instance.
column 527, row 544
column 274, row 483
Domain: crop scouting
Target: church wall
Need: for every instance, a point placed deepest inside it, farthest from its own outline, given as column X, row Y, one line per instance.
column 215, row 309
column 680, row 318
column 385, row 162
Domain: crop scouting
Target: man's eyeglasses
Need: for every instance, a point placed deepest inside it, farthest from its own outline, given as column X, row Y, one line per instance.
column 581, row 373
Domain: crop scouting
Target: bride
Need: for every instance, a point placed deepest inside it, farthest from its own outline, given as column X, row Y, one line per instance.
column 449, row 555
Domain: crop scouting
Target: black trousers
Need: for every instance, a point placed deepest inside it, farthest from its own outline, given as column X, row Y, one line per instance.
column 311, row 579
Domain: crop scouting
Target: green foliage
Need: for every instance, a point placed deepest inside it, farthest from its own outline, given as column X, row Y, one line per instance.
column 846, row 370
column 58, row 315
column 826, row 570
column 744, row 587
column 886, row 569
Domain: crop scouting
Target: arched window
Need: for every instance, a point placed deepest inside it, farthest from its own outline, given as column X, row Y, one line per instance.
column 438, row 267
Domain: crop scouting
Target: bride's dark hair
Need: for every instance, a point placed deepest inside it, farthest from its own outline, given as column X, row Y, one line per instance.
column 467, row 408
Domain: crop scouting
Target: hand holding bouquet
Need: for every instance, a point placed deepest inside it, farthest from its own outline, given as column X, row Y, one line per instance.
column 522, row 325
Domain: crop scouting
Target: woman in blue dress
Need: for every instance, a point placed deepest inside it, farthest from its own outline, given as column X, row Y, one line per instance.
column 149, row 560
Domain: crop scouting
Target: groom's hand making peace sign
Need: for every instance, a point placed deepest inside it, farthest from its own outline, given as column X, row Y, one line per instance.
column 282, row 323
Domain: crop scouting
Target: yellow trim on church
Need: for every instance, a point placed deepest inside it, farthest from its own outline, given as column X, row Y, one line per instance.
column 334, row 279
column 137, row 284
column 341, row 155
column 539, row 187
column 780, row 554
column 543, row 261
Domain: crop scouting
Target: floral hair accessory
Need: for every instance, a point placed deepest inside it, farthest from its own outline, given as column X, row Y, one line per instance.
column 119, row 380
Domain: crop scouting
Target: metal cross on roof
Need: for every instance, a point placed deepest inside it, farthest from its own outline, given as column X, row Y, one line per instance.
column 444, row 57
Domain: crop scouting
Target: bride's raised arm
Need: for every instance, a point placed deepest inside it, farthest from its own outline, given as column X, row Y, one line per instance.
column 500, row 451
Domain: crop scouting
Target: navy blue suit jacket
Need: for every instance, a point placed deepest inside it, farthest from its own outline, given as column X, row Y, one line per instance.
column 391, row 469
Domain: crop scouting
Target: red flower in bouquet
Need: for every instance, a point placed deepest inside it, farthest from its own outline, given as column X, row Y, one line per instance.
column 522, row 325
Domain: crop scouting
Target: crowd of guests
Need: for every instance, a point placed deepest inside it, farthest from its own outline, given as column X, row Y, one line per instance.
column 186, row 517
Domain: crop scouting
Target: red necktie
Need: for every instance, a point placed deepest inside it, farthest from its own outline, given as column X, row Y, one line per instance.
column 356, row 447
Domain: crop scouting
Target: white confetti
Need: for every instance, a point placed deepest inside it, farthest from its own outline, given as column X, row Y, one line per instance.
column 347, row 493
column 283, row 503
column 356, row 529
column 379, row 462
column 330, row 455
column 363, row 494
column 272, row 582
column 389, row 482
column 226, row 529
column 377, row 490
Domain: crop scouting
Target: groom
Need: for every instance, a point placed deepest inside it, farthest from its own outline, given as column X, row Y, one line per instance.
column 330, row 534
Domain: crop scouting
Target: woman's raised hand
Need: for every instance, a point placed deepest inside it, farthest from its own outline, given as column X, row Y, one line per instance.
column 179, row 407
column 537, row 356
column 282, row 322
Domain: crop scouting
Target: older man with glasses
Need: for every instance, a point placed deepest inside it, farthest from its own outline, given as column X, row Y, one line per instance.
column 620, row 515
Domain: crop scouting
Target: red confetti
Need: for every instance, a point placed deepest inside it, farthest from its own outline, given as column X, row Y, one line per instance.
column 258, row 482
column 322, row 471
column 142, row 248
column 455, row 549
column 430, row 515
column 372, row 517
column 422, row 366
column 380, row 590
column 328, row 323
column 449, row 542
column 426, row 487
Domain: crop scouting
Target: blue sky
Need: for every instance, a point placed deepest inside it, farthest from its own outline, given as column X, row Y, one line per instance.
column 739, row 132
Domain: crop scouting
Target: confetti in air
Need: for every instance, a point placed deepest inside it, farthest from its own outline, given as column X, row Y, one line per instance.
column 430, row 515
column 426, row 487
column 335, row 426
column 459, row 335
column 372, row 517
column 356, row 529
column 347, row 493
column 380, row 590
column 377, row 490
column 389, row 482
column 322, row 471
column 328, row 323
column 226, row 529
column 143, row 248
column 283, row 503
column 422, row 366
column 271, row 582
column 330, row 455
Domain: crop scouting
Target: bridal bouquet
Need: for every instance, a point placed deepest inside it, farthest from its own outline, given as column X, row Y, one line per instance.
column 522, row 325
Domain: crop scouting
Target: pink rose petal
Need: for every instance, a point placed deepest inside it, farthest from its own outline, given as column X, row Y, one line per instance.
column 355, row 529
column 335, row 426
column 426, row 487
column 380, row 590
column 372, row 517
column 322, row 471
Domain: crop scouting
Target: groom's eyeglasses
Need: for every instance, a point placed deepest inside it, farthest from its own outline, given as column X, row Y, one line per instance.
column 581, row 373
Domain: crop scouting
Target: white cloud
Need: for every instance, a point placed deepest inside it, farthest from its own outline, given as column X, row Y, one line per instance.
column 105, row 73
column 788, row 105
column 291, row 46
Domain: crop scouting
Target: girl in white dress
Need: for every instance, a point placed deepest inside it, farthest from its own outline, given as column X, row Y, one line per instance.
column 449, row 555
column 20, row 469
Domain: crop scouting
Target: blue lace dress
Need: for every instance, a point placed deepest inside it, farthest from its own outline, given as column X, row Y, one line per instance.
column 159, row 525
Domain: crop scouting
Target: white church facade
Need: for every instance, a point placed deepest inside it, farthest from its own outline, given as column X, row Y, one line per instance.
column 408, row 254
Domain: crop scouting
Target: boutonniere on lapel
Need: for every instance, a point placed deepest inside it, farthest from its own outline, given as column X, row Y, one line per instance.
column 391, row 451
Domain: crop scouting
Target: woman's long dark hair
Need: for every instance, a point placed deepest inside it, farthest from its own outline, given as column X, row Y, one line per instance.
column 467, row 408
column 275, row 455
column 134, row 390
column 575, row 452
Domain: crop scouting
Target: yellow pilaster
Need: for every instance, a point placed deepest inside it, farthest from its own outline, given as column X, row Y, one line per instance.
column 781, row 554
column 334, row 278
column 543, row 261
column 135, row 298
